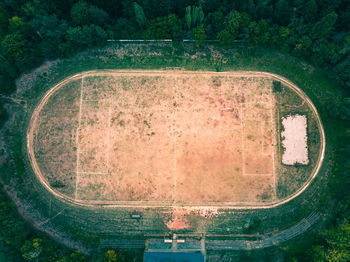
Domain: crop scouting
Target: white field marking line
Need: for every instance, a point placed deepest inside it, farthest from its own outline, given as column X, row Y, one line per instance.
column 273, row 144
column 94, row 173
column 263, row 139
column 257, row 103
column 278, row 135
column 174, row 141
column 252, row 174
column 242, row 139
column 109, row 135
column 77, row 143
column 266, row 123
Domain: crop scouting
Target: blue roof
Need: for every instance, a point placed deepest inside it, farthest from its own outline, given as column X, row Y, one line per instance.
column 173, row 257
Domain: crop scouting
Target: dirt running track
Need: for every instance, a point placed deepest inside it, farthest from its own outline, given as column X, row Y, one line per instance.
column 109, row 204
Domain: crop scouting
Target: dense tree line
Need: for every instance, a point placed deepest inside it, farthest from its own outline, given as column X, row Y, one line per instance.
column 32, row 31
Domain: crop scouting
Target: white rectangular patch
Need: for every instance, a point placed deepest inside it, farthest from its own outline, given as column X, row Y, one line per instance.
column 294, row 140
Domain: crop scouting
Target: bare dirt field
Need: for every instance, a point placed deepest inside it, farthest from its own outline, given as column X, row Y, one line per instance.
column 165, row 137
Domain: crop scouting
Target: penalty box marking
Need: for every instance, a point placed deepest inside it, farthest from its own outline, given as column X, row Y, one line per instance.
column 272, row 122
column 79, row 151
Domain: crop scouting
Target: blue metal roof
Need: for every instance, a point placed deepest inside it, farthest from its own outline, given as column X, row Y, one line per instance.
column 173, row 257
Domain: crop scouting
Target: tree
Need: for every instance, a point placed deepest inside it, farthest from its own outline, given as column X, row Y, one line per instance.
column 14, row 46
column 110, row 256
column 194, row 16
column 323, row 27
column 199, row 35
column 214, row 23
column 188, row 17
column 3, row 115
column 140, row 15
column 259, row 32
column 15, row 23
column 51, row 31
column 283, row 12
column 164, row 28
column 232, row 22
column 76, row 256
column 98, row 16
column 342, row 109
column 3, row 20
column 31, row 249
column 124, row 29
column 231, row 28
column 226, row 38
column 80, row 14
column 309, row 11
column 303, row 45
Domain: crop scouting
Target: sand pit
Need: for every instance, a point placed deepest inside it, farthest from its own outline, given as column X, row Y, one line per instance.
column 294, row 140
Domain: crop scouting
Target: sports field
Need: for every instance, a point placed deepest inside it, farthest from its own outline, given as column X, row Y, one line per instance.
column 168, row 137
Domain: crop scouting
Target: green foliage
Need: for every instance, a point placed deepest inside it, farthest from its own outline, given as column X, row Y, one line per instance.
column 31, row 249
column 232, row 22
column 277, row 86
column 3, row 20
column 259, row 32
column 323, row 27
column 80, row 13
column 98, row 16
column 231, row 28
column 336, row 247
column 309, row 11
column 253, row 226
column 110, row 256
column 81, row 37
column 3, row 116
column 199, row 35
column 341, row 110
column 139, row 14
column 76, row 256
column 226, row 38
column 194, row 16
column 15, row 23
column 283, row 12
column 8, row 72
column 14, row 46
column 188, row 17
column 168, row 27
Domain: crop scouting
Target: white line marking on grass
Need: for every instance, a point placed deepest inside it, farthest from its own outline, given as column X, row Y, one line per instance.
column 77, row 143
column 174, row 140
column 252, row 174
column 242, row 139
column 262, row 138
column 273, row 145
column 266, row 123
column 109, row 135
column 93, row 173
